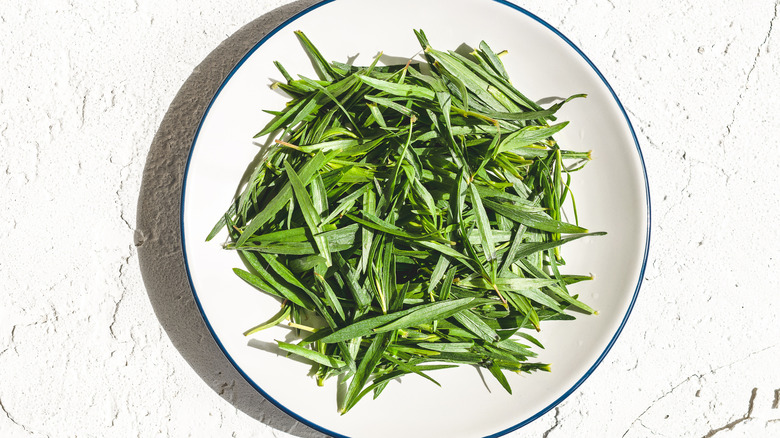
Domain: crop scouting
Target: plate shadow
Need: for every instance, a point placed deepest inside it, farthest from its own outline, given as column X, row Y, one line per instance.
column 158, row 230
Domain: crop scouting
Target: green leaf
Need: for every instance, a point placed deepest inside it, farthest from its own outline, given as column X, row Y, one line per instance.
column 457, row 69
column 282, row 197
column 446, row 286
column 279, row 121
column 476, row 325
column 493, row 60
column 528, row 136
column 273, row 321
column 331, row 297
column 525, row 249
column 427, row 313
column 528, row 287
column 364, row 327
column 499, row 375
column 309, row 213
column 485, row 232
column 324, row 70
column 448, row 347
column 532, row 219
column 389, row 103
column 269, row 284
column 367, row 364
column 401, row 90
column 314, row 356
column 438, row 273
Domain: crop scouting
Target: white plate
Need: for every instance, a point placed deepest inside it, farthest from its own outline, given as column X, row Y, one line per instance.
column 612, row 196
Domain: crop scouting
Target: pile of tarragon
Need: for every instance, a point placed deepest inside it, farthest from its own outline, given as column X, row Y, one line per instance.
column 409, row 218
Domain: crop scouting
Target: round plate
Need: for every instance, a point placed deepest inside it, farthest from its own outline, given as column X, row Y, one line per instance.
column 611, row 193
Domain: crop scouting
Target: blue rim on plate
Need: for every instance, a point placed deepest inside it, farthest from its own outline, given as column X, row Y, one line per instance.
column 542, row 411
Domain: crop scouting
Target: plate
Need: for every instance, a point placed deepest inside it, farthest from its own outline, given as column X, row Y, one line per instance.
column 612, row 195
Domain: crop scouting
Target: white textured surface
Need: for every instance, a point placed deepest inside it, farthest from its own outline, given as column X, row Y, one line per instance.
column 85, row 86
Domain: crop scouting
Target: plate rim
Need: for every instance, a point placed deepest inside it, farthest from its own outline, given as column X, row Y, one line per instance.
column 531, row 418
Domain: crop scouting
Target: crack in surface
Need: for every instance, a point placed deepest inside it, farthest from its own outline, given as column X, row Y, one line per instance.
column 83, row 108
column 698, row 376
column 761, row 46
column 715, row 166
column 119, row 190
column 13, row 420
column 745, row 417
column 640, row 125
column 13, row 340
column 116, row 416
column 113, row 316
column 566, row 13
column 647, row 428
column 555, row 425
column 690, row 178
column 122, row 216
column 639, row 417
column 121, row 296
column 123, row 292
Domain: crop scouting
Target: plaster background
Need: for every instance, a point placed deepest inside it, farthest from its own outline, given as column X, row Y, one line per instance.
column 96, row 97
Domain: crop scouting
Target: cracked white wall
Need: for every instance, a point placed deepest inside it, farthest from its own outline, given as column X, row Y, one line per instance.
column 84, row 86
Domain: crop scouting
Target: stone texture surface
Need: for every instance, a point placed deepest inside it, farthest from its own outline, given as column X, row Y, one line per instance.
column 96, row 97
